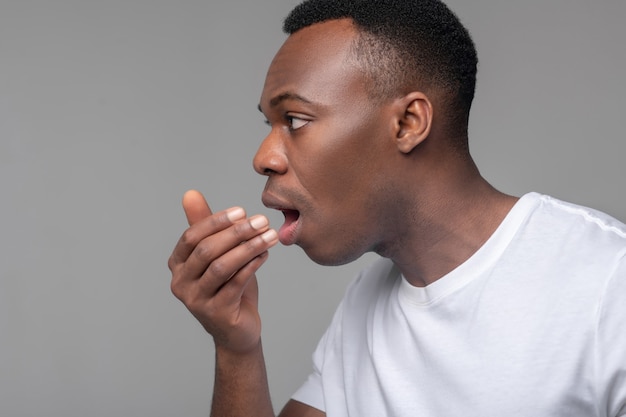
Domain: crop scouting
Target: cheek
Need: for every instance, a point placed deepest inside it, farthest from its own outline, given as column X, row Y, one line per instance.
column 329, row 169
column 339, row 159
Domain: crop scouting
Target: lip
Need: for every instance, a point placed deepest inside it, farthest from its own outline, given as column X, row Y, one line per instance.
column 289, row 231
column 271, row 201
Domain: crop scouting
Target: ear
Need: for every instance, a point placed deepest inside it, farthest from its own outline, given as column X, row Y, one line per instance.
column 414, row 118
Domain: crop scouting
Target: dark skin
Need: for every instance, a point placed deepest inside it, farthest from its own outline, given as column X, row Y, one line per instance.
column 354, row 175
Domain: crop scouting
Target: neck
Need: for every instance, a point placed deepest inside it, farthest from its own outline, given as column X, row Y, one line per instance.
column 447, row 224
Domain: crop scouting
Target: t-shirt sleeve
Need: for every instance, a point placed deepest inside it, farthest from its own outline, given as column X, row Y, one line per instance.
column 611, row 345
column 312, row 390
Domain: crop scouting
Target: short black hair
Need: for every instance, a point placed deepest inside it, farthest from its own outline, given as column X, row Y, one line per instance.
column 405, row 44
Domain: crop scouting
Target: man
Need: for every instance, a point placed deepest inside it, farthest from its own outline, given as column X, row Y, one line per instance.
column 483, row 304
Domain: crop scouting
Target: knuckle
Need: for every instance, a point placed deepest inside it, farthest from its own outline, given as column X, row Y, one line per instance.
column 171, row 263
column 254, row 245
column 218, row 268
column 217, row 222
column 204, row 251
column 188, row 237
column 241, row 230
column 193, row 305
column 176, row 289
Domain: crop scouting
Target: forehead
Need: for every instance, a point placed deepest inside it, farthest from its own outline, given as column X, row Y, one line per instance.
column 316, row 63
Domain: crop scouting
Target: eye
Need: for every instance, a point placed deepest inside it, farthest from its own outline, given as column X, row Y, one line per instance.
column 296, row 123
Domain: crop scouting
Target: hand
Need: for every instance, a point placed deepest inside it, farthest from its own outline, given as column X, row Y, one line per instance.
column 213, row 271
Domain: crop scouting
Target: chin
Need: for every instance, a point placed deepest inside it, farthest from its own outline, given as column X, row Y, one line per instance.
column 326, row 257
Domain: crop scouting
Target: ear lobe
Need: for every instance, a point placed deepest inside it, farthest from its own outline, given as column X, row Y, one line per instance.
column 414, row 121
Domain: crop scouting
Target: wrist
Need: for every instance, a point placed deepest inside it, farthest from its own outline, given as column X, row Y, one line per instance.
column 238, row 357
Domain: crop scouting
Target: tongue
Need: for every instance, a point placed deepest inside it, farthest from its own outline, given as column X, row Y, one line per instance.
column 287, row 232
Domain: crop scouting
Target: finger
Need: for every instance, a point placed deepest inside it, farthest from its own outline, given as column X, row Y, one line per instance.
column 191, row 258
column 222, row 269
column 219, row 243
column 195, row 206
column 235, row 288
column 202, row 230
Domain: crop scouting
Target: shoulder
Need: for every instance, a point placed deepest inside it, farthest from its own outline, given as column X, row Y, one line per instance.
column 564, row 212
column 566, row 249
column 573, row 228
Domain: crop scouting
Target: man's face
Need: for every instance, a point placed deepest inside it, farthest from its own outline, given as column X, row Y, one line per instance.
column 328, row 152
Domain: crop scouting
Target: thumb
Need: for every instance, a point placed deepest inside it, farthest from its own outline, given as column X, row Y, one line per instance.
column 195, row 206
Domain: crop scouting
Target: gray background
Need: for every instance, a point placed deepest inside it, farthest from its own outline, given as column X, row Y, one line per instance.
column 110, row 110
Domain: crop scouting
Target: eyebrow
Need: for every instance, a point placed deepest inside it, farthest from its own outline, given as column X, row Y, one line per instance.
column 286, row 96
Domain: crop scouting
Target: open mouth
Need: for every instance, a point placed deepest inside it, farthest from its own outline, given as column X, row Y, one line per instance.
column 288, row 231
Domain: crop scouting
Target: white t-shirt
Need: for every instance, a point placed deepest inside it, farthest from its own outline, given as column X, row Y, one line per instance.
column 532, row 325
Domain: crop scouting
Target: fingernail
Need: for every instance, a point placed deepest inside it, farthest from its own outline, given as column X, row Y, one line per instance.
column 270, row 236
column 258, row 222
column 235, row 213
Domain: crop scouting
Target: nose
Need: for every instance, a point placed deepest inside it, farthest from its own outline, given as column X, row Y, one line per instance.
column 271, row 157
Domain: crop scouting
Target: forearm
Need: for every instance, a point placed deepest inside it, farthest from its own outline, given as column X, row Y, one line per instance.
column 241, row 387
